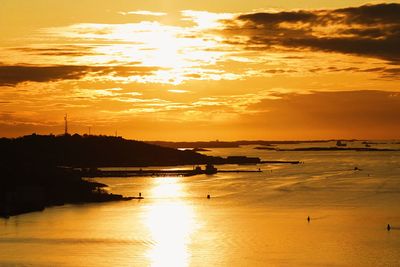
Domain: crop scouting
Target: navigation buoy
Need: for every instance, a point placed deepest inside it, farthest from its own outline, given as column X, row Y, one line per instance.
column 388, row 227
column 208, row 197
column 308, row 218
column 140, row 194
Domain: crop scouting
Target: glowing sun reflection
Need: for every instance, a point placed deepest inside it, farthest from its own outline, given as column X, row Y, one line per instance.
column 171, row 223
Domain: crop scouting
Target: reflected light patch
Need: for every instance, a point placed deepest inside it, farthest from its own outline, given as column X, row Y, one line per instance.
column 171, row 223
column 167, row 188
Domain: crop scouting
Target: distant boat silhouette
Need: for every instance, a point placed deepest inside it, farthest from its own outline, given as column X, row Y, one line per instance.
column 339, row 143
column 210, row 169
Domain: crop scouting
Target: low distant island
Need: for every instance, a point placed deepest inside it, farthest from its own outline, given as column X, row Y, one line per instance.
column 339, row 149
column 233, row 144
column 327, row 149
column 38, row 171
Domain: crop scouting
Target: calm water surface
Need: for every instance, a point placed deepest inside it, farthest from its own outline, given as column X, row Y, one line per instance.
column 252, row 219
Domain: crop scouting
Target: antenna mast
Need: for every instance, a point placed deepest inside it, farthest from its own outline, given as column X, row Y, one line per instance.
column 66, row 124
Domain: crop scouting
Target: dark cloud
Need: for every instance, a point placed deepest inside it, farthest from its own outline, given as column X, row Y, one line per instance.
column 371, row 14
column 391, row 73
column 65, row 50
column 276, row 18
column 11, row 75
column 383, row 72
column 387, row 49
column 279, row 71
column 370, row 30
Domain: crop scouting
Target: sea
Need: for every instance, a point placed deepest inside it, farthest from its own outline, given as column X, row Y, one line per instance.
column 250, row 219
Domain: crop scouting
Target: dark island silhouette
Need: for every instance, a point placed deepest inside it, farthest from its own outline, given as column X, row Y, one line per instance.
column 44, row 170
column 327, row 149
column 233, row 144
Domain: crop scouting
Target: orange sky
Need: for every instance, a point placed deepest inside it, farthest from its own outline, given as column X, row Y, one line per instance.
column 201, row 70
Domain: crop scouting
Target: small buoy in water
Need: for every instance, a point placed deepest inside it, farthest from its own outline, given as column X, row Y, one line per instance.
column 208, row 196
column 308, row 218
column 140, row 194
column 388, row 227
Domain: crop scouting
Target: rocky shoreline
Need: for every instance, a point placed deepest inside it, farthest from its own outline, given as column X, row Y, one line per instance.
column 34, row 189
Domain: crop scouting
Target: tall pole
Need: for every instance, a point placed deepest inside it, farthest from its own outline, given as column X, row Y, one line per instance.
column 66, row 124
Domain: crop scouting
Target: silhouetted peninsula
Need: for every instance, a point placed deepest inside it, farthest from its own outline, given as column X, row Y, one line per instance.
column 44, row 170
column 100, row 151
column 93, row 151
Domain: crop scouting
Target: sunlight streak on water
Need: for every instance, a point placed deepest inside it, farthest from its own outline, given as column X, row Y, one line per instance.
column 171, row 224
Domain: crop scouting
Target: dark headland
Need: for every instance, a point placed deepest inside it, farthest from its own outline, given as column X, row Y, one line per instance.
column 44, row 170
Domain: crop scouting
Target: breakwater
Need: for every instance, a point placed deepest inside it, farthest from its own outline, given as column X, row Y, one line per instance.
column 141, row 173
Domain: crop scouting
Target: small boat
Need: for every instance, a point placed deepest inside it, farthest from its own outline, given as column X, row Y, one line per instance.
column 339, row 143
column 210, row 169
